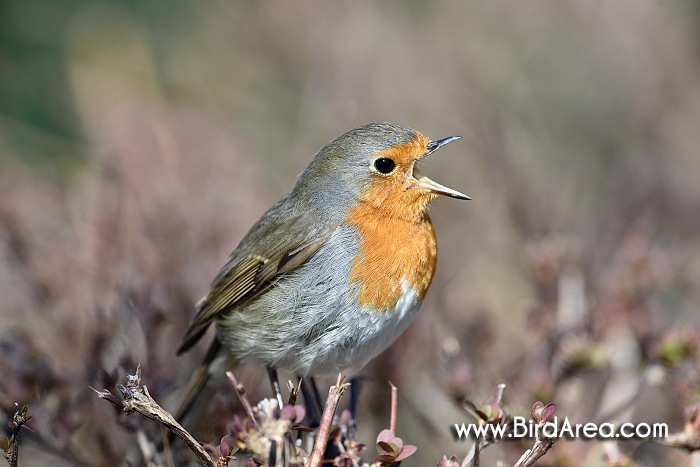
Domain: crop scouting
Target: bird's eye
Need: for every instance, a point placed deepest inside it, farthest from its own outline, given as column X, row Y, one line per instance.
column 384, row 165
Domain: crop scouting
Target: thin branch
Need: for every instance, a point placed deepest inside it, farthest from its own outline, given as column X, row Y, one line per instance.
column 494, row 414
column 293, row 391
column 394, row 403
column 684, row 439
column 19, row 420
column 477, row 452
column 334, row 395
column 240, row 390
column 135, row 398
column 538, row 450
column 689, row 438
column 501, row 393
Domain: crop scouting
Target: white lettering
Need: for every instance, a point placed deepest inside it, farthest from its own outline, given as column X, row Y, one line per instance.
column 589, row 430
column 606, row 430
column 566, row 429
column 520, row 427
column 526, row 428
column 463, row 430
column 549, row 429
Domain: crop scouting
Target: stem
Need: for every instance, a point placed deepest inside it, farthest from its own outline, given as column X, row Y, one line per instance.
column 240, row 390
column 394, row 402
column 334, row 395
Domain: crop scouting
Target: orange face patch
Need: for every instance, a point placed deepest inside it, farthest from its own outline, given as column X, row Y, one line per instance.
column 397, row 240
column 406, row 153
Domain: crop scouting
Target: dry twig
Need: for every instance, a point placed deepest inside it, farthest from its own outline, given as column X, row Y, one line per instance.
column 135, row 398
column 334, row 395
column 689, row 438
column 394, row 403
column 293, row 391
column 19, row 420
column 240, row 390
column 539, row 449
column 541, row 413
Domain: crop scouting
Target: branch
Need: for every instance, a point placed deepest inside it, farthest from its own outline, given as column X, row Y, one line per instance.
column 689, row 438
column 334, row 395
column 685, row 439
column 394, row 403
column 531, row 456
column 240, row 390
column 293, row 391
column 541, row 413
column 11, row 448
column 135, row 398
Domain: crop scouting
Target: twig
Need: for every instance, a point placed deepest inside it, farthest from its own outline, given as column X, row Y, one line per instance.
column 275, row 382
column 392, row 417
column 240, row 390
column 334, row 395
column 19, row 419
column 541, row 413
column 293, row 391
column 689, row 438
column 135, row 398
column 501, row 393
column 681, row 440
column 494, row 414
column 531, row 456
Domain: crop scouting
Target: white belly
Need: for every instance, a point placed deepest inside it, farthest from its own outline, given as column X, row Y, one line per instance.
column 310, row 323
column 376, row 330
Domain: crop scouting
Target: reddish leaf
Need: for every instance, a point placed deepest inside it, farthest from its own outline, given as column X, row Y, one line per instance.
column 407, row 450
column 385, row 435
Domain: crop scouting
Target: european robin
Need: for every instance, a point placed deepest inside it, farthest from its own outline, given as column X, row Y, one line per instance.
column 334, row 271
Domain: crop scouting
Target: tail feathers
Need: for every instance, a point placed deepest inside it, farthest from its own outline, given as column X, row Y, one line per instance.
column 205, row 382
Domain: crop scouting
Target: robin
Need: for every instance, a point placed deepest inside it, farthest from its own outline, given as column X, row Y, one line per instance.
column 332, row 273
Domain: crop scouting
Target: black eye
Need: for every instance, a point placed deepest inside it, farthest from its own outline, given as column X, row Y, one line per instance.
column 384, row 165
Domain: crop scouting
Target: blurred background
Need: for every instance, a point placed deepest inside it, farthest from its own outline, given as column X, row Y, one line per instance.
column 139, row 140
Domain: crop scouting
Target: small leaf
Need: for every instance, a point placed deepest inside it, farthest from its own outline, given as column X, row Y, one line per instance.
column 300, row 427
column 537, row 411
column 548, row 411
column 453, row 461
column 345, row 417
column 211, row 449
column 300, row 412
column 227, row 443
column 407, row 450
column 288, row 413
column 385, row 435
column 541, row 412
column 387, row 449
column 476, row 410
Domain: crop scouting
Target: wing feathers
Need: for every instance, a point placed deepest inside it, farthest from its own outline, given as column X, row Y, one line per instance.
column 243, row 280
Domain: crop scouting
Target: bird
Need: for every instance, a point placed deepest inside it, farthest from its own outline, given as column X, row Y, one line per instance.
column 333, row 272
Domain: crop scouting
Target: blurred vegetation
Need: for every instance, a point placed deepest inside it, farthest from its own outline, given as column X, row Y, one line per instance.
column 140, row 139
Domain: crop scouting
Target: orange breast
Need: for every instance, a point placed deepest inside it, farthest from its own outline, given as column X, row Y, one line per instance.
column 392, row 250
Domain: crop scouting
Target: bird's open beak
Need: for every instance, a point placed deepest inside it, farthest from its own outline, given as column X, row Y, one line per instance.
column 434, row 187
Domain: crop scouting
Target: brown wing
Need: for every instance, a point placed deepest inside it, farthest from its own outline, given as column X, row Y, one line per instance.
column 244, row 280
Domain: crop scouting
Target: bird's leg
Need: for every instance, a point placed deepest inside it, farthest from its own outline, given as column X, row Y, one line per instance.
column 317, row 394
column 313, row 401
column 352, row 406
column 274, row 381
